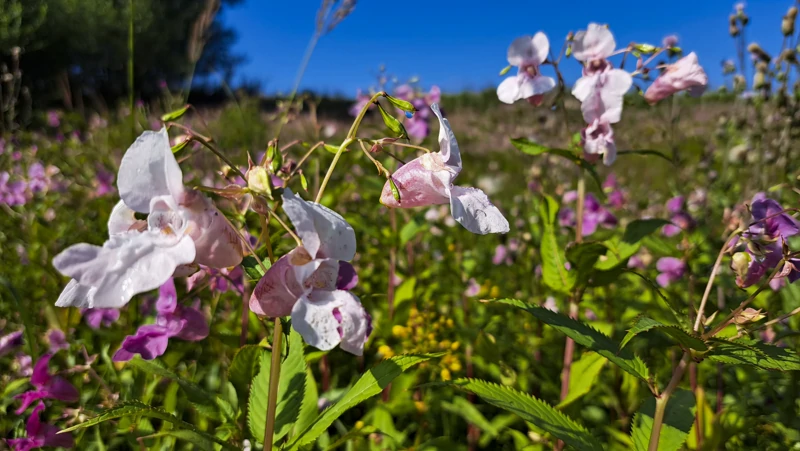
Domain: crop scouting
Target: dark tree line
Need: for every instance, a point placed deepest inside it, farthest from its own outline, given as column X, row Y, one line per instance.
column 72, row 52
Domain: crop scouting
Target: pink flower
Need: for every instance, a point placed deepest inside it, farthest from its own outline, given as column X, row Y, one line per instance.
column 100, row 317
column 40, row 434
column 172, row 320
column 310, row 283
column 473, row 288
column 671, row 270
column 684, row 74
column 46, row 386
column 57, row 340
column 428, row 180
column 52, row 119
column 527, row 54
column 593, row 46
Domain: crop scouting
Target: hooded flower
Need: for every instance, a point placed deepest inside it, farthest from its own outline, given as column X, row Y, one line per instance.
column 310, row 282
column 527, row 54
column 182, row 227
column 671, row 270
column 600, row 90
column 46, row 386
column 172, row 320
column 428, row 180
column 40, row 434
column 100, row 317
column 684, row 74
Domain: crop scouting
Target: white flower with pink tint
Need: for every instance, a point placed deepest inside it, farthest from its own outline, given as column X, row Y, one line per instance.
column 311, row 282
column 527, row 54
column 594, row 46
column 686, row 74
column 428, row 180
column 182, row 227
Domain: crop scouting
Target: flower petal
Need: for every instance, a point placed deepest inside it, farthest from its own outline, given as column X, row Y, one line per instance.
column 355, row 324
column 217, row 243
column 324, row 232
column 76, row 295
column 277, row 291
column 150, row 341
column 313, row 318
column 196, row 326
column 594, row 43
column 149, row 169
column 471, row 208
column 448, row 146
column 421, row 182
column 127, row 264
column 122, row 220
column 508, row 90
column 347, row 278
column 41, row 375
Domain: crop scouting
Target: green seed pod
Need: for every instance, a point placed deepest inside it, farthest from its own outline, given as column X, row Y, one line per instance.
column 174, row 115
column 392, row 123
column 402, row 104
column 395, row 191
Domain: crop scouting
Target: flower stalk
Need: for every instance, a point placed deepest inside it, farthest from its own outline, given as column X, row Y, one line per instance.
column 274, row 376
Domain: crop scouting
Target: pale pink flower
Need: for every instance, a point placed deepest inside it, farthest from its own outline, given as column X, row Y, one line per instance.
column 686, row 74
column 527, row 54
column 428, row 180
column 182, row 227
column 593, row 46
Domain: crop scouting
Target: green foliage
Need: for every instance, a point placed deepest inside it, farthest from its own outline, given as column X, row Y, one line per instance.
column 531, row 148
column 585, row 335
column 369, row 385
column 533, row 410
column 586, row 371
column 755, row 353
column 685, row 339
column 678, row 420
column 554, row 271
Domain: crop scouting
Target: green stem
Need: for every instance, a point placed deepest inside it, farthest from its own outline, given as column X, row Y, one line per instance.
column 661, row 402
column 274, row 376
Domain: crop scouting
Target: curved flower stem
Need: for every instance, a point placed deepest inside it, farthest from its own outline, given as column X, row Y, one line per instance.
column 305, row 157
column 274, row 375
column 661, row 402
column 707, row 292
column 351, row 138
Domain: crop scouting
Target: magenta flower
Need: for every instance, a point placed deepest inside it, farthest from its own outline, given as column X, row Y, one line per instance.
column 671, row 270
column 428, row 180
column 773, row 222
column 46, row 386
column 527, row 53
column 615, row 195
column 220, row 280
column 9, row 342
column 57, row 340
column 172, row 321
column 37, row 178
column 53, row 119
column 104, row 182
column 100, row 317
column 594, row 214
column 40, row 434
column 681, row 219
column 310, row 283
column 686, row 74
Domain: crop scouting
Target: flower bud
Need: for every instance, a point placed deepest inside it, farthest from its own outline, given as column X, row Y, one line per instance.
column 787, row 26
column 258, row 180
column 740, row 263
column 748, row 315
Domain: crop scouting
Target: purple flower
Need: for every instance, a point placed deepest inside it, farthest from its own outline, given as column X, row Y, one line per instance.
column 616, row 196
column 37, row 178
column 100, row 317
column 9, row 342
column 57, row 340
column 772, row 221
column 671, row 270
column 23, row 364
column 13, row 193
column 681, row 219
column 473, row 288
column 40, row 434
column 347, row 279
column 52, row 119
column 47, row 386
column 404, row 92
column 501, row 255
column 172, row 320
column 417, row 126
column 104, row 182
column 219, row 280
column 594, row 214
column 675, row 204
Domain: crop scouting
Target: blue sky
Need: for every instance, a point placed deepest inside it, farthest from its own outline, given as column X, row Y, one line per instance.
column 461, row 44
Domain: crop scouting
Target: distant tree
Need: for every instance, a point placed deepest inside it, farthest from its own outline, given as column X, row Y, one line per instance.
column 78, row 49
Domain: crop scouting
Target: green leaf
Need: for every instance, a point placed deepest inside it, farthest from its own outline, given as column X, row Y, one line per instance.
column 137, row 408
column 533, row 410
column 309, row 408
column 532, row 148
column 244, row 367
column 195, row 392
column 755, row 353
column 644, row 152
column 674, row 308
column 405, row 292
column 684, row 338
column 548, row 210
column 585, row 335
column 192, row 437
column 257, row 405
column 175, row 115
column 583, row 257
column 369, row 385
column 303, row 181
column 253, row 269
column 640, row 228
column 291, row 387
column 468, row 411
column 13, row 386
column 410, row 230
column 586, row 371
column 678, row 420
column 505, row 70
column 554, row 272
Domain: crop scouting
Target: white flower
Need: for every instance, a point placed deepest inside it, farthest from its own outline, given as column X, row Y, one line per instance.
column 182, row 228
column 527, row 54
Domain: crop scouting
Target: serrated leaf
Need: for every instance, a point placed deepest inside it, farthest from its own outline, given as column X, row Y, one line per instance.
column 644, row 152
column 196, row 393
column 685, row 339
column 678, row 420
column 755, row 353
column 554, row 272
column 309, row 409
column 291, row 387
column 586, row 370
column 674, row 308
column 137, row 408
column 585, row 335
column 253, row 269
column 369, row 385
column 257, row 403
column 244, row 367
column 470, row 414
column 533, row 410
